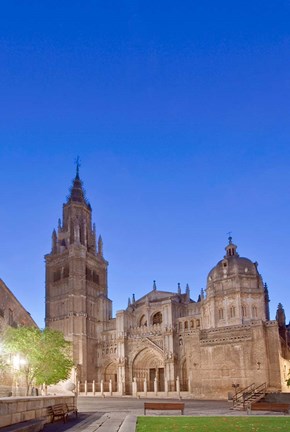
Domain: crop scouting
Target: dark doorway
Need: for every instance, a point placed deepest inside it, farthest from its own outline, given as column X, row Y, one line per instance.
column 152, row 375
column 161, row 379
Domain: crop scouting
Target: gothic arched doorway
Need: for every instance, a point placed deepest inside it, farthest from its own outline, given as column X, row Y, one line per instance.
column 148, row 364
column 110, row 374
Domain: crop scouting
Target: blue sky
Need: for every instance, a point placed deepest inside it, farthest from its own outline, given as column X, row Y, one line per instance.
column 179, row 112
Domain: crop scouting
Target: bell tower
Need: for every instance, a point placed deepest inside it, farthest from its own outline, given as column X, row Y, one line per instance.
column 77, row 300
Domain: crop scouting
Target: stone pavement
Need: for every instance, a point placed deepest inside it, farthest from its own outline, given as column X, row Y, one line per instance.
column 120, row 414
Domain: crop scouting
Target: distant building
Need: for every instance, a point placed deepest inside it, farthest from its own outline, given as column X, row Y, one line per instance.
column 12, row 314
column 163, row 341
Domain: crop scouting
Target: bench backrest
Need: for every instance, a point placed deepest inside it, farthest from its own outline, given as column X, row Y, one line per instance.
column 164, row 405
column 271, row 406
column 58, row 409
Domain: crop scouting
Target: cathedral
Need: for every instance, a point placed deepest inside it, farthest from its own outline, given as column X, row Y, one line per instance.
column 163, row 342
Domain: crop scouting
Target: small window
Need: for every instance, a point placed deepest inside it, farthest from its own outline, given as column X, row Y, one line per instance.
column 96, row 278
column 221, row 314
column 232, row 311
column 66, row 272
column 10, row 317
column 157, row 318
column 56, row 275
column 89, row 275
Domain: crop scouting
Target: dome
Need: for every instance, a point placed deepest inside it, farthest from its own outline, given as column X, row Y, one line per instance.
column 232, row 265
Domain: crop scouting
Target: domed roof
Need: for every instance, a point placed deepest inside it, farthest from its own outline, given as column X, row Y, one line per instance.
column 232, row 264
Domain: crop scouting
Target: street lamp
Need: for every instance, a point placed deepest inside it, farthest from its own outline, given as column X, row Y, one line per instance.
column 17, row 362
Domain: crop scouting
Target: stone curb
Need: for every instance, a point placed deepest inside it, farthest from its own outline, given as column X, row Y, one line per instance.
column 129, row 424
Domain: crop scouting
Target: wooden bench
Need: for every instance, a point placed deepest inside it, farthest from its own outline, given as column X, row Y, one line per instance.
column 61, row 410
column 164, row 406
column 72, row 409
column 271, row 406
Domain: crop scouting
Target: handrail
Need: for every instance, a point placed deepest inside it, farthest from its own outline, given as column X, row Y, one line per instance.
column 251, row 386
column 245, row 395
column 239, row 396
column 259, row 392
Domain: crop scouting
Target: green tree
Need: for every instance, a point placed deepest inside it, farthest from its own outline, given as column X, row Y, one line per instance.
column 46, row 354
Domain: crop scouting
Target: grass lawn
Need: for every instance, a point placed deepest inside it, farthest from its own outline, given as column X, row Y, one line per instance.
column 213, row 424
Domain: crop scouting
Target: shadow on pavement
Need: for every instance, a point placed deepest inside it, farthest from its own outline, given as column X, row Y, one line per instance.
column 73, row 421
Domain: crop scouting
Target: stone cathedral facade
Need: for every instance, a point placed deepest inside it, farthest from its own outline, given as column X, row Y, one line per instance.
column 224, row 338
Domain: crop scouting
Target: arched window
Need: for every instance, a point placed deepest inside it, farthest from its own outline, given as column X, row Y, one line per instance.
column 254, row 311
column 221, row 314
column 232, row 311
column 244, row 311
column 143, row 321
column 157, row 318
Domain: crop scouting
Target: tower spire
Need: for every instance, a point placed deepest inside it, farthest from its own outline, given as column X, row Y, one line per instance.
column 77, row 193
column 78, row 164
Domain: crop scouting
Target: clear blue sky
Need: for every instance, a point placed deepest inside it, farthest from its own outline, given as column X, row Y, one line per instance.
column 179, row 112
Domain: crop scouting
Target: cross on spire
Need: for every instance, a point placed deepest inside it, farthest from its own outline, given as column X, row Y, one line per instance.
column 230, row 238
column 78, row 164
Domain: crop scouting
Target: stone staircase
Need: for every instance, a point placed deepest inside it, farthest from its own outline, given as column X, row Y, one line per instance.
column 243, row 399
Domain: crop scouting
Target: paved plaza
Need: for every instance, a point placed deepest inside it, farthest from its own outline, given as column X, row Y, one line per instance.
column 119, row 414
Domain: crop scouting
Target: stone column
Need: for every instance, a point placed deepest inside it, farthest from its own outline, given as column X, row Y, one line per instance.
column 121, row 380
column 134, row 387
column 94, row 387
column 178, row 387
column 145, row 387
column 86, row 387
column 102, row 388
column 166, row 387
column 155, row 386
column 189, row 386
column 110, row 387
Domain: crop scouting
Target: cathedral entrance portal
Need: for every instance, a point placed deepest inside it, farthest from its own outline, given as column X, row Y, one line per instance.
column 149, row 365
column 110, row 374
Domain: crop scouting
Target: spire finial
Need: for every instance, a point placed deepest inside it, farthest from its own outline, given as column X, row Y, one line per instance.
column 78, row 164
column 100, row 245
column 154, row 285
column 231, row 247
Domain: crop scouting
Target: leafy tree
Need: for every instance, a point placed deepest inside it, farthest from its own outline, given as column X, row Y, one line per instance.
column 46, row 354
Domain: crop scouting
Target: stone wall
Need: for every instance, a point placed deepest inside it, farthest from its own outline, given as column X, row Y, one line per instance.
column 17, row 409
